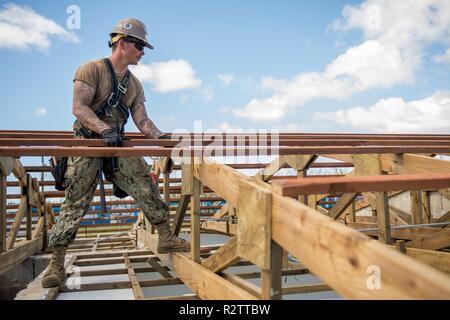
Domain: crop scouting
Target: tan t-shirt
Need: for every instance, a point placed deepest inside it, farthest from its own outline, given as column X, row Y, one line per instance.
column 96, row 74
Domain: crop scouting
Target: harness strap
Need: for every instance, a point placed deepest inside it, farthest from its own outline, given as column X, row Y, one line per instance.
column 114, row 101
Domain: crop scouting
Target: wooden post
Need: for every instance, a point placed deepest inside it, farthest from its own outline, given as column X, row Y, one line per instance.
column 271, row 279
column 195, row 220
column 400, row 244
column 45, row 231
column 416, row 207
column 382, row 204
column 302, row 198
column 2, row 212
column 370, row 165
column 352, row 212
column 427, row 203
column 166, row 187
column 29, row 216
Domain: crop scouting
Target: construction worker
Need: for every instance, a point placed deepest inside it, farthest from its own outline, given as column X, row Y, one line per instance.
column 101, row 115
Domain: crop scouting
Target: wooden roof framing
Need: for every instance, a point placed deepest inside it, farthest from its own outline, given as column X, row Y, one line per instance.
column 267, row 217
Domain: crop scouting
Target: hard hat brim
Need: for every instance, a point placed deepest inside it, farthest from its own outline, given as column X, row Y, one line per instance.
column 147, row 44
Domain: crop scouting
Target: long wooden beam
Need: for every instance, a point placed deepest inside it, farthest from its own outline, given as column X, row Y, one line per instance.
column 435, row 241
column 20, row 253
column 205, row 283
column 296, row 187
column 232, row 141
column 218, row 151
column 223, row 258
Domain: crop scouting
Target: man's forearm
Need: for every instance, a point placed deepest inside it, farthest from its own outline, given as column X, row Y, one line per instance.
column 148, row 128
column 143, row 123
column 89, row 119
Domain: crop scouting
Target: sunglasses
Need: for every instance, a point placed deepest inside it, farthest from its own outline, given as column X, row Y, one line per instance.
column 138, row 44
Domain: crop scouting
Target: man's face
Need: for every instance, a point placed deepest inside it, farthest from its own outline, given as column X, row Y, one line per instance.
column 132, row 52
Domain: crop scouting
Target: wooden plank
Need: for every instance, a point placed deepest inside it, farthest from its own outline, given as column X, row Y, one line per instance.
column 413, row 164
column 300, row 162
column 254, row 236
column 383, row 221
column 160, row 269
column 29, row 198
column 218, row 151
column 221, row 226
column 3, row 196
column 220, row 178
column 187, row 179
column 445, row 193
column 239, row 281
column 137, row 290
column 426, row 199
column 337, row 185
column 436, row 241
column 271, row 169
column 398, row 217
column 195, row 221
column 271, row 279
column 341, row 257
column 444, row 218
column 205, row 283
column 437, row 259
column 306, row 288
column 38, row 229
column 121, row 285
column 19, row 172
column 222, row 211
column 166, row 186
column 181, row 212
column 416, row 207
column 343, row 203
column 6, row 165
column 182, row 297
column 223, row 258
column 18, row 254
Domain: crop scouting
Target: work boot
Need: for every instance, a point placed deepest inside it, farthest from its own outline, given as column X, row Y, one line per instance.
column 168, row 242
column 55, row 275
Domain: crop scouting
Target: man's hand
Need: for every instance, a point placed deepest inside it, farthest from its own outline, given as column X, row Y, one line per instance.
column 111, row 138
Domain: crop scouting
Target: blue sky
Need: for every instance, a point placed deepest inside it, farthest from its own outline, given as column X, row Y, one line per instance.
column 314, row 66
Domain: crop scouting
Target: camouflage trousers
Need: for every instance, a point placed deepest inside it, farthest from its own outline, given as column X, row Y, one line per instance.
column 81, row 180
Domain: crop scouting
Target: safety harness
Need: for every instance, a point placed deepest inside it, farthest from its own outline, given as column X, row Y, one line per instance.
column 113, row 102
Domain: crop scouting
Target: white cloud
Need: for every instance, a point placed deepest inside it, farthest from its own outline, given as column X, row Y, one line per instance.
column 443, row 58
column 226, row 79
column 22, row 28
column 390, row 55
column 40, row 111
column 168, row 76
column 226, row 127
column 394, row 114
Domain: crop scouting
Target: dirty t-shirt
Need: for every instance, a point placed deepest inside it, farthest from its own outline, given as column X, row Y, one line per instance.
column 96, row 74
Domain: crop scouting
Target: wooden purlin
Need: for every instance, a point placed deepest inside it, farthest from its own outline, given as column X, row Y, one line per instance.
column 217, row 151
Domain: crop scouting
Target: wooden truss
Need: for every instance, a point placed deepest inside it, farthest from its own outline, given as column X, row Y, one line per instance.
column 267, row 216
